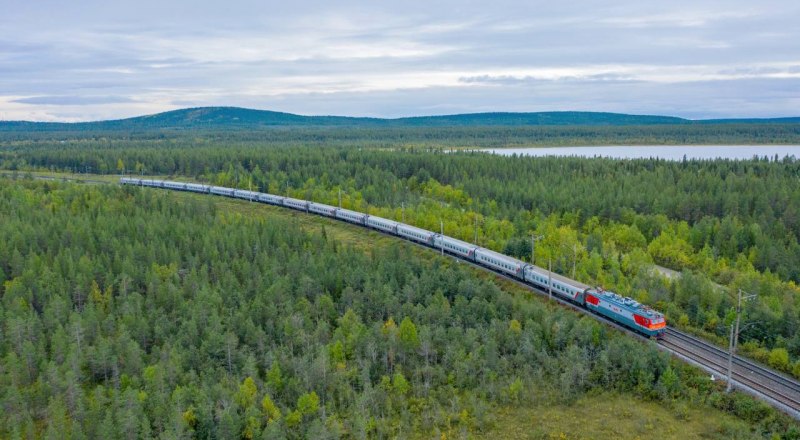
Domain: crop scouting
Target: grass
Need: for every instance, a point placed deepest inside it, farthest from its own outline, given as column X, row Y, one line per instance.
column 614, row 416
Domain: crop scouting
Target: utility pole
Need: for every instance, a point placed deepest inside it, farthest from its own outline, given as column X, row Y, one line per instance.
column 534, row 238
column 441, row 225
column 403, row 204
column 574, row 259
column 735, row 338
column 730, row 361
column 550, row 277
column 476, row 230
column 340, row 198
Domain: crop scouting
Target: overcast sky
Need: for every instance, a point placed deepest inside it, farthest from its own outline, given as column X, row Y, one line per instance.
column 96, row 59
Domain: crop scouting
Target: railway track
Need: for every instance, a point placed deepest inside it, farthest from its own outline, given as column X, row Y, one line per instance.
column 748, row 376
column 75, row 178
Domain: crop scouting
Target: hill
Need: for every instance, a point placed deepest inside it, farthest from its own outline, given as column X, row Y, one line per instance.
column 240, row 118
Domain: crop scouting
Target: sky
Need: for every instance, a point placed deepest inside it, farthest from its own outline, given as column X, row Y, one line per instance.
column 82, row 60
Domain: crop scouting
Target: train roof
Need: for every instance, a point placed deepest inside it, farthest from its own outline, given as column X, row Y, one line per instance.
column 457, row 241
column 619, row 300
column 414, row 228
column 628, row 303
column 557, row 277
column 244, row 191
column 499, row 256
column 382, row 220
column 321, row 205
column 292, row 199
column 350, row 211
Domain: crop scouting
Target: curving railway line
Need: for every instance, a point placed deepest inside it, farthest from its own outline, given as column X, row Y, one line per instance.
column 748, row 376
column 774, row 388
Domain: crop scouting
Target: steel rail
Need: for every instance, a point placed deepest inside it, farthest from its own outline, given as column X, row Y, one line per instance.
column 739, row 361
column 770, row 395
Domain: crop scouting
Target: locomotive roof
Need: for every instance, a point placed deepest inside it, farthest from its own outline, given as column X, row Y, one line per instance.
column 628, row 303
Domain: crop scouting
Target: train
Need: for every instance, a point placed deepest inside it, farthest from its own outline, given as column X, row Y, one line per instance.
column 620, row 309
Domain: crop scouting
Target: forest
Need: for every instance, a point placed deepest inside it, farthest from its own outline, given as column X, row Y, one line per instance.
column 464, row 131
column 722, row 225
column 137, row 313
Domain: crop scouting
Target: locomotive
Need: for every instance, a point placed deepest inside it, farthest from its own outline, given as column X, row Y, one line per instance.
column 622, row 310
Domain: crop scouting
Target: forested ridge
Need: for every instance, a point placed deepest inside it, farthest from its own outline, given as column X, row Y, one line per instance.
column 132, row 313
column 222, row 118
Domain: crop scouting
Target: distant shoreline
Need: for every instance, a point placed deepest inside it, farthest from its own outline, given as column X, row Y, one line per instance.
column 668, row 152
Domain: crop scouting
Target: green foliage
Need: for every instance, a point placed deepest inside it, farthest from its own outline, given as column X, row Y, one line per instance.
column 408, row 334
column 189, row 417
column 294, row 418
column 246, row 397
column 668, row 384
column 271, row 411
column 779, row 358
column 399, row 384
column 275, row 378
column 308, row 403
column 199, row 312
column 514, row 389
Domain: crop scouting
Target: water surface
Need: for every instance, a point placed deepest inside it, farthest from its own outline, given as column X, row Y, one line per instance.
column 669, row 152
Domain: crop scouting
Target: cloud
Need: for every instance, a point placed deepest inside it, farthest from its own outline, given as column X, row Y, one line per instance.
column 506, row 80
column 104, row 60
column 73, row 100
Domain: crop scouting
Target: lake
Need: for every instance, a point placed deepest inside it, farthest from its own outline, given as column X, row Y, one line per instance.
column 669, row 152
